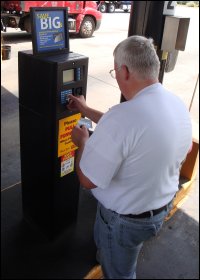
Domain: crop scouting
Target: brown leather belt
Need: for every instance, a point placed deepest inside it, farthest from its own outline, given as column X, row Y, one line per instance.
column 147, row 214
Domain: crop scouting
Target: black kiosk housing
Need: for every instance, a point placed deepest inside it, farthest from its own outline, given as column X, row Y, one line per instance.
column 50, row 201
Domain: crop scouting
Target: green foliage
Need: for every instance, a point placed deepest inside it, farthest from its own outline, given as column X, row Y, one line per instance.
column 192, row 4
column 189, row 3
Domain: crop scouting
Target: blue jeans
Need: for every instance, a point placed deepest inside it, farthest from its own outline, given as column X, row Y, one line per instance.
column 119, row 240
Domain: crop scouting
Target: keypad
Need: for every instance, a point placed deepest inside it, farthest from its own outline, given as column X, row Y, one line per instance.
column 64, row 94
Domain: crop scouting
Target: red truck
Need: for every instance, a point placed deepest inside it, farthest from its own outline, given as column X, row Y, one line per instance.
column 83, row 16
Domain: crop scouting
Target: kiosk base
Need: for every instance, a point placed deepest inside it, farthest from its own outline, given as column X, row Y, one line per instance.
column 50, row 186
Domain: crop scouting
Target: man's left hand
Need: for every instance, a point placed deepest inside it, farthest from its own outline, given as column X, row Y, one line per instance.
column 80, row 135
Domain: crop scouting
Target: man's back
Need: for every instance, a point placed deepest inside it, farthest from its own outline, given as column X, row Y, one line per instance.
column 131, row 162
column 145, row 139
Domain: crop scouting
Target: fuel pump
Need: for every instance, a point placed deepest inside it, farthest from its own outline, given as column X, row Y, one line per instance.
column 50, row 186
column 156, row 19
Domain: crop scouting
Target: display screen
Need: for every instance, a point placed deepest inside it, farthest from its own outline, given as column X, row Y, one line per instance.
column 49, row 30
column 68, row 76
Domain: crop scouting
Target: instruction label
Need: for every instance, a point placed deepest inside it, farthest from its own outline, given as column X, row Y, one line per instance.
column 67, row 164
column 65, row 144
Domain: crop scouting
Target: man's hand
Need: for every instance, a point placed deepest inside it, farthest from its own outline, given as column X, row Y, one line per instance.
column 80, row 135
column 77, row 103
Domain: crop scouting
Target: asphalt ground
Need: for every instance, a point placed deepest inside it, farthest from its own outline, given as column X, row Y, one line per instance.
column 171, row 255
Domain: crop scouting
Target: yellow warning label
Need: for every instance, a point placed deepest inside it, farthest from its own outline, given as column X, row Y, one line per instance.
column 65, row 144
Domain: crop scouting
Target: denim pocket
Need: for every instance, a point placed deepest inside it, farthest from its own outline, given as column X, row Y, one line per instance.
column 132, row 234
column 102, row 217
column 158, row 227
column 104, row 229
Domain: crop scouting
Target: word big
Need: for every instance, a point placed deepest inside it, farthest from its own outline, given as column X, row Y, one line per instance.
column 48, row 23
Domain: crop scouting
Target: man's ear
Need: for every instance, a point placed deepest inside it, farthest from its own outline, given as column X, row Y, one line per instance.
column 125, row 72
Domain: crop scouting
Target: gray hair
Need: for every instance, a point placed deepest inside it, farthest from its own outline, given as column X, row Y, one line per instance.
column 139, row 55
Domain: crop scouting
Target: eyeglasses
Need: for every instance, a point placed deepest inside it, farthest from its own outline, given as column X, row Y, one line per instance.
column 113, row 73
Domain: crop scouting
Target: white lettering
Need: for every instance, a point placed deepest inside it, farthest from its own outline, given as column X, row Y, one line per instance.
column 56, row 24
column 48, row 23
column 44, row 24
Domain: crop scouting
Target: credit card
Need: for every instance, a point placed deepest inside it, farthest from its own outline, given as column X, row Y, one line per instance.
column 86, row 122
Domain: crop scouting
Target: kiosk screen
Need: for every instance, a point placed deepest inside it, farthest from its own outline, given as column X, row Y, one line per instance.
column 68, row 76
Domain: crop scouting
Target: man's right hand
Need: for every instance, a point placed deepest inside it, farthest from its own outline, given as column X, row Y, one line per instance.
column 77, row 103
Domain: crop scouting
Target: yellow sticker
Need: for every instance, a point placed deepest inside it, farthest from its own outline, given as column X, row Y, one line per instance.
column 65, row 144
column 67, row 164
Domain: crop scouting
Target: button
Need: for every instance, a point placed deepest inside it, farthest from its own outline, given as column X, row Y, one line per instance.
column 78, row 74
column 78, row 91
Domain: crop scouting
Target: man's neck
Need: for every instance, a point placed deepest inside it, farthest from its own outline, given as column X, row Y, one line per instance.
column 138, row 86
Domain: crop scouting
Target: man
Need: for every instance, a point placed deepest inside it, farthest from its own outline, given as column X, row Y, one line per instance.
column 132, row 160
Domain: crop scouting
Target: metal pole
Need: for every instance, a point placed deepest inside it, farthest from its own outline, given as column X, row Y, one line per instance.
column 194, row 93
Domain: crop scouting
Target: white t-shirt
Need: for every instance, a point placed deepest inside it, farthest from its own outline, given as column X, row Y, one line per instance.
column 135, row 152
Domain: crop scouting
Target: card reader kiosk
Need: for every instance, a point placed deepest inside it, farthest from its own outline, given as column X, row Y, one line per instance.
column 50, row 186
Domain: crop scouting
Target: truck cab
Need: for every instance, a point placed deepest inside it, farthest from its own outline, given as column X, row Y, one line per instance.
column 83, row 16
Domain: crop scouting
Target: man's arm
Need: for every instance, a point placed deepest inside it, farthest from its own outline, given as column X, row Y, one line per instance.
column 93, row 114
column 79, row 137
column 78, row 103
column 84, row 181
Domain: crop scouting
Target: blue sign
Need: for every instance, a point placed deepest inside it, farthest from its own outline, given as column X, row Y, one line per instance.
column 50, row 30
